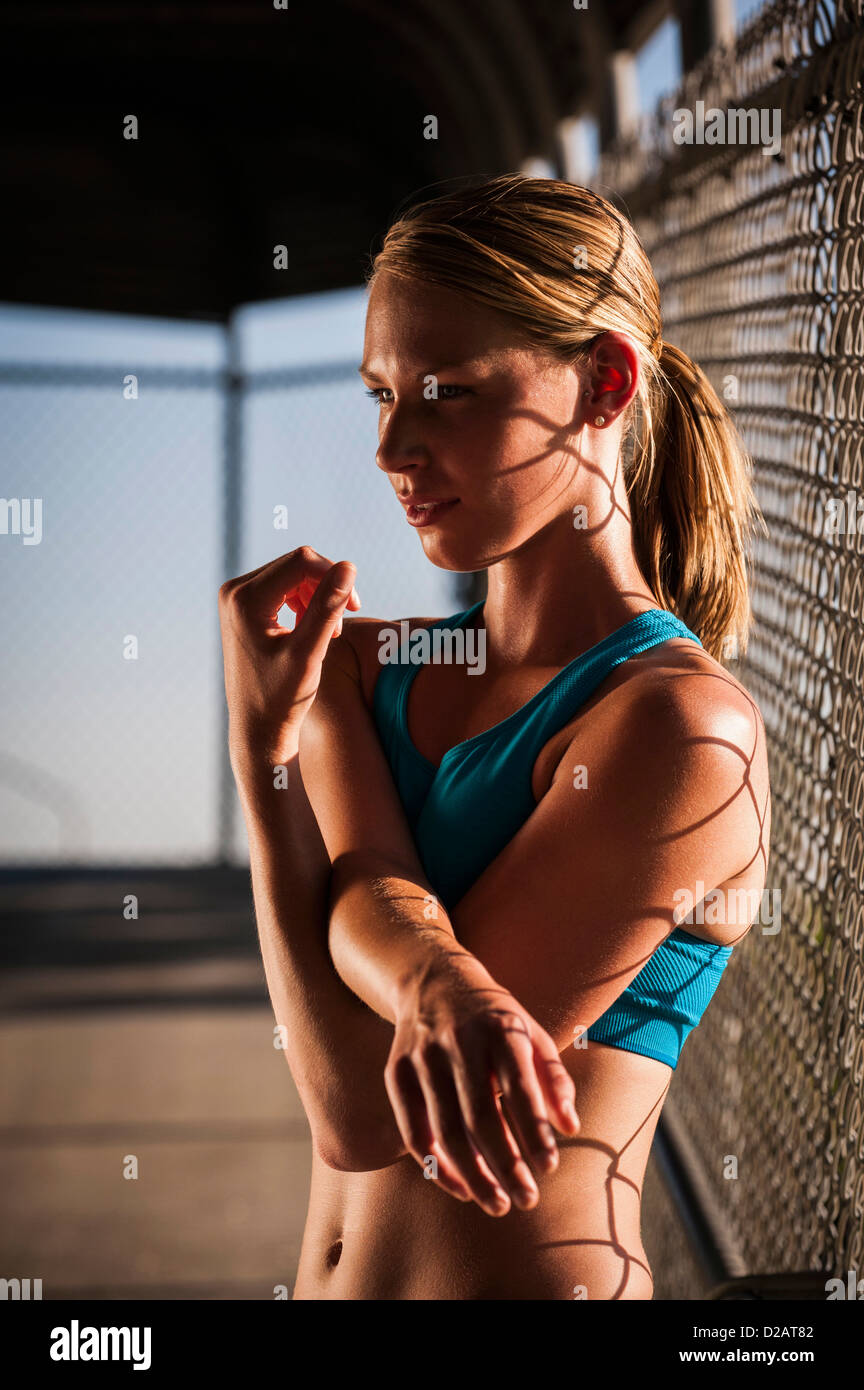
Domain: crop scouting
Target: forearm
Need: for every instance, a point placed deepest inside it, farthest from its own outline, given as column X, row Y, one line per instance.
column 388, row 932
column 459, row 1037
column 336, row 1048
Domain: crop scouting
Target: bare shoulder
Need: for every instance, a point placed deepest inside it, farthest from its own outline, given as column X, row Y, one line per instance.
column 679, row 743
column 364, row 636
column 693, row 711
column 683, row 682
column 672, row 691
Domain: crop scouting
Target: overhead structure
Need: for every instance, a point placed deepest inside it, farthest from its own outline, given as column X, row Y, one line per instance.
column 260, row 127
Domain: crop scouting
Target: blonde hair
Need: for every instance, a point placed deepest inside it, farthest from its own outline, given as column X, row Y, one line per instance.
column 567, row 267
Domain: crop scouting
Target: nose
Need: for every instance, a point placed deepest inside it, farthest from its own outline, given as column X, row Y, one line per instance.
column 400, row 441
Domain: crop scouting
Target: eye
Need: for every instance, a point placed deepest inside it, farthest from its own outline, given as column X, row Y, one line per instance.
column 446, row 392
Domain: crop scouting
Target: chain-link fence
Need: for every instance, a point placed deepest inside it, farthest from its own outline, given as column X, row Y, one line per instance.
column 110, row 721
column 129, row 495
column 760, row 260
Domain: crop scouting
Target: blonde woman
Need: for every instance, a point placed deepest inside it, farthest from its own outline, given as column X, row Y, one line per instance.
column 471, row 879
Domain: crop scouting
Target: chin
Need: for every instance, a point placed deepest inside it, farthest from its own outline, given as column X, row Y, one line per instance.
column 459, row 558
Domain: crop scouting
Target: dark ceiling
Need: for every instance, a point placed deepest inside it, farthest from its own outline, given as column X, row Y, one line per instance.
column 261, row 127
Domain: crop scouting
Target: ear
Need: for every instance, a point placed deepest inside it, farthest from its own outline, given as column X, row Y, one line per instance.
column 613, row 379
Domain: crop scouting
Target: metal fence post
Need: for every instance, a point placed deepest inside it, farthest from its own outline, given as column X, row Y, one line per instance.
column 232, row 523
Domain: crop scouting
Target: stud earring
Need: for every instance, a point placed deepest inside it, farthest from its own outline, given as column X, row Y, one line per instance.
column 599, row 419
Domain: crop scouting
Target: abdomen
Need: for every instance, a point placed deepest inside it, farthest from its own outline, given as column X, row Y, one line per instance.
column 397, row 1237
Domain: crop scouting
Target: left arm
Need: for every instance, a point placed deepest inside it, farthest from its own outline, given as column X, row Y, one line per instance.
column 565, row 917
column 379, row 892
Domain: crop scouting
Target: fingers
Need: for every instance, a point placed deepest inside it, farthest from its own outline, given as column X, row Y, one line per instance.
column 271, row 584
column 453, row 1129
column 474, row 1077
column 556, row 1083
column 410, row 1101
column 317, row 591
column 444, row 1102
column 441, row 1171
column 526, row 1103
column 444, row 1174
column 297, row 602
column 322, row 619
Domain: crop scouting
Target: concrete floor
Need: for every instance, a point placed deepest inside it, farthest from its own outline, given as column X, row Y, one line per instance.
column 153, row 1038
column 207, row 1106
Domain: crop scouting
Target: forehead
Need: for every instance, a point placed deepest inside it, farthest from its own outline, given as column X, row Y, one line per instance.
column 411, row 320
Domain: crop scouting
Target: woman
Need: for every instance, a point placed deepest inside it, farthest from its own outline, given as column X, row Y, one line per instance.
column 497, row 856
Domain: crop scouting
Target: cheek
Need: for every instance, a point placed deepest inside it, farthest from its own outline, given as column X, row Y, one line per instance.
column 527, row 453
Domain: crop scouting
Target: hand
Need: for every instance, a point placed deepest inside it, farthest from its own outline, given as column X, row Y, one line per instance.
column 464, row 1049
column 272, row 674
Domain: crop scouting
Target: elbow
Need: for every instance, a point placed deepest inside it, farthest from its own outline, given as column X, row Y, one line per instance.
column 348, row 1158
column 363, row 1148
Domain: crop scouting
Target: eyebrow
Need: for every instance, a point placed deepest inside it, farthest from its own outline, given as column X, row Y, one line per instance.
column 470, row 362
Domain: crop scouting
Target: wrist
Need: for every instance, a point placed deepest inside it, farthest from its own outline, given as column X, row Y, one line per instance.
column 267, row 797
column 254, row 752
column 443, row 967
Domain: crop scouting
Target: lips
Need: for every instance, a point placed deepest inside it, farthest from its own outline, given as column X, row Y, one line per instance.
column 426, row 511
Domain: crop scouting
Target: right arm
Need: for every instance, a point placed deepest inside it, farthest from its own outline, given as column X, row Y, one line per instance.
column 336, row 1047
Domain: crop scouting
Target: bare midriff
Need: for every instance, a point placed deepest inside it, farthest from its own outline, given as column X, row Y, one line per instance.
column 392, row 1234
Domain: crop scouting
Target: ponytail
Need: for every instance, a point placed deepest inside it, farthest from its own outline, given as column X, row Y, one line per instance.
column 692, row 505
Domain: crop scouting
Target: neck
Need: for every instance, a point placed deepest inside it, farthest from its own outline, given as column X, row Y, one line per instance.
column 564, row 591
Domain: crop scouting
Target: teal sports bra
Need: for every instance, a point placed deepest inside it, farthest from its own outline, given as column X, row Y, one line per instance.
column 465, row 811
